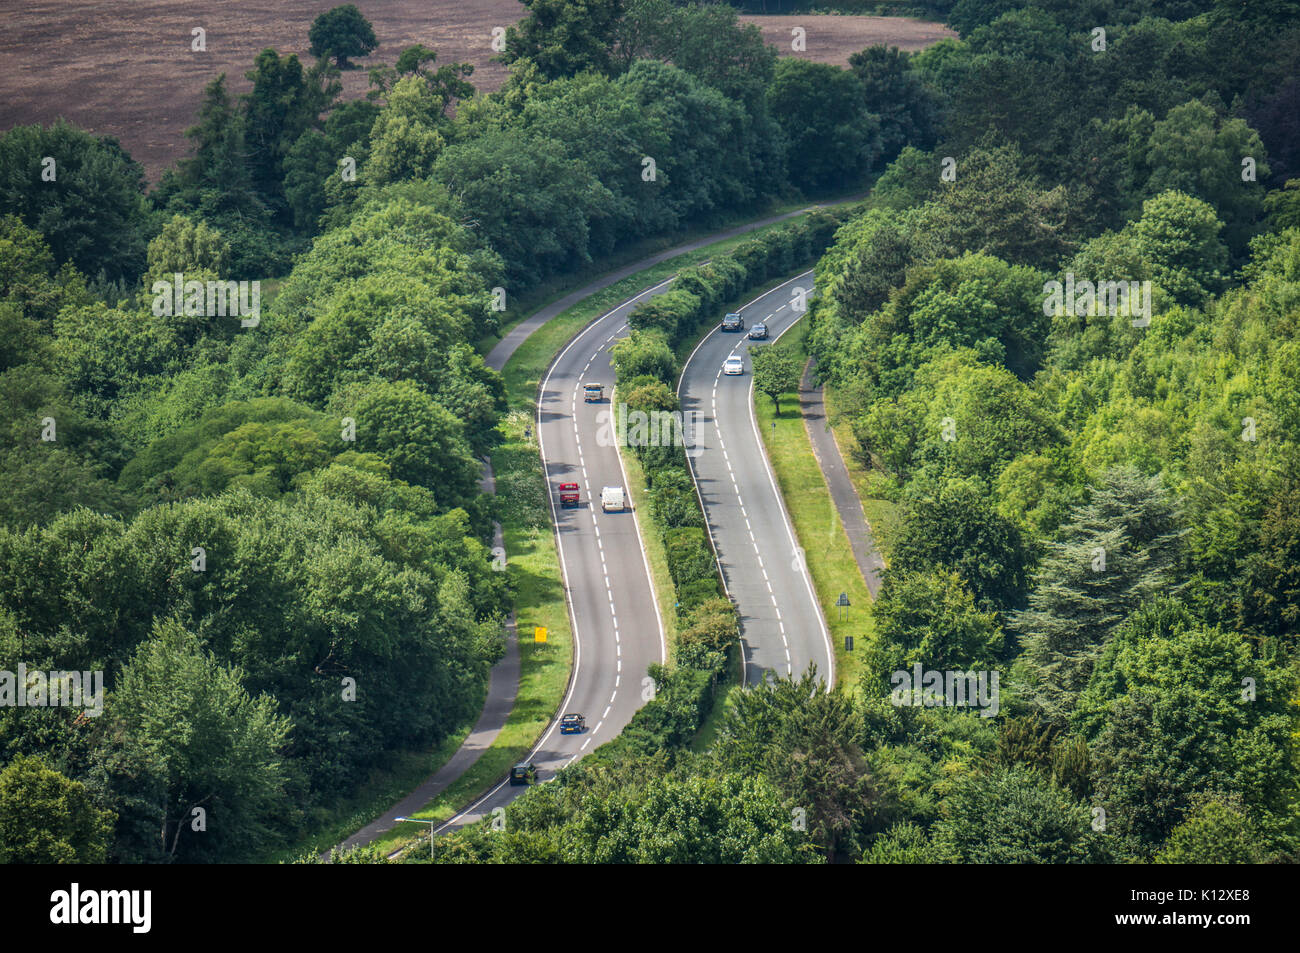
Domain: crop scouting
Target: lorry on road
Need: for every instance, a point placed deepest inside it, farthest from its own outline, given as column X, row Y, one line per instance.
column 569, row 494
column 612, row 499
column 593, row 393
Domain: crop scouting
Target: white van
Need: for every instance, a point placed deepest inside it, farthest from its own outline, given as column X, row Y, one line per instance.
column 611, row 498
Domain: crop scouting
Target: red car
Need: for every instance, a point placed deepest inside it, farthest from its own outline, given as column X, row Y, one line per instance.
column 569, row 494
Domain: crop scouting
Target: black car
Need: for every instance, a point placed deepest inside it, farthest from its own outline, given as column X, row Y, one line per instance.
column 758, row 332
column 733, row 322
column 523, row 773
column 573, row 725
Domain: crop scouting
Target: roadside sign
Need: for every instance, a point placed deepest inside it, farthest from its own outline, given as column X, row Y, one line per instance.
column 848, row 643
column 539, row 634
column 843, row 600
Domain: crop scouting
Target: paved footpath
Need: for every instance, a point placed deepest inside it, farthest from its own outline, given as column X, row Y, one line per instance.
column 845, row 497
column 503, row 684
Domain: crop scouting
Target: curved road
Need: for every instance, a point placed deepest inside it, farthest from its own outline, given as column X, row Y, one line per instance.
column 782, row 627
column 596, row 552
column 612, row 606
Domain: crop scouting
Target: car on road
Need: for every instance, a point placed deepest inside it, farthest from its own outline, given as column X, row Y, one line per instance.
column 735, row 364
column 612, row 499
column 733, row 322
column 569, row 495
column 758, row 332
column 523, row 773
column 593, row 393
column 573, row 725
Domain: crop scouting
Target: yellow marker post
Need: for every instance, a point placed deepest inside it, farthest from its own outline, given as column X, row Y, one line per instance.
column 539, row 634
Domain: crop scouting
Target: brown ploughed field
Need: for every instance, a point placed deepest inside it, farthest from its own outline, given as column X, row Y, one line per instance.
column 125, row 68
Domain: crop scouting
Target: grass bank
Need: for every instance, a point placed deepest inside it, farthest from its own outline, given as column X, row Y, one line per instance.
column 816, row 521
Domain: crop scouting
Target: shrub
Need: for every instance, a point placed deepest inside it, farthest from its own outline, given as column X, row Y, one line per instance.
column 689, row 557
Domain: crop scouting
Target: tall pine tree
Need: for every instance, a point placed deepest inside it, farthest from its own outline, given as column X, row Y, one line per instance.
column 1116, row 551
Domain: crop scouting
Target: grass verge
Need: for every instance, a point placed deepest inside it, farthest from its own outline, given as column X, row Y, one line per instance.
column 816, row 521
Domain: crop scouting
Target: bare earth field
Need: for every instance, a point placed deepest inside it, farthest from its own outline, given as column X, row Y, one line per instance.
column 125, row 68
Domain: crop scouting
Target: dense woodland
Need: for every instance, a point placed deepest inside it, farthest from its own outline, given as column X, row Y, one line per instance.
column 380, row 228
column 327, row 559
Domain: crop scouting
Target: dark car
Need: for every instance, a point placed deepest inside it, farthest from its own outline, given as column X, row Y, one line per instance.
column 573, row 725
column 523, row 773
column 733, row 322
column 758, row 332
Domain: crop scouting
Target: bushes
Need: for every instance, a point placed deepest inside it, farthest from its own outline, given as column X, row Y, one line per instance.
column 668, row 313
column 689, row 557
column 644, row 352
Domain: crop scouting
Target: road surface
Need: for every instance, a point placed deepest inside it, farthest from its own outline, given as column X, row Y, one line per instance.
column 782, row 628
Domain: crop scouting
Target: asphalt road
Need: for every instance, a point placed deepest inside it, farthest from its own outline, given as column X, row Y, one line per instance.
column 782, row 627
column 612, row 607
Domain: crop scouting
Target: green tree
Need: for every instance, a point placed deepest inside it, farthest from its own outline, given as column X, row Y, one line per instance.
column 1179, row 236
column 565, row 37
column 421, row 440
column 187, row 735
column 89, row 205
column 930, row 618
column 1216, row 833
column 956, row 527
column 644, row 352
column 892, row 91
column 1170, row 721
column 341, row 33
column 1014, row 816
column 45, row 818
column 405, row 141
column 820, row 108
column 1194, row 151
column 1116, row 552
column 727, row 820
column 776, row 372
column 804, row 740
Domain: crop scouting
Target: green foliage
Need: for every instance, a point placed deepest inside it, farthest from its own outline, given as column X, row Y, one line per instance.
column 1216, row 833
column 185, row 735
column 1169, row 717
column 89, row 205
column 954, row 527
column 342, row 32
column 47, row 819
column 1116, row 552
column 776, row 371
column 644, row 353
column 930, row 618
column 819, row 108
column 1010, row 816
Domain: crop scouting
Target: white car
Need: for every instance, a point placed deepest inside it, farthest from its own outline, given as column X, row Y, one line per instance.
column 735, row 364
column 612, row 499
